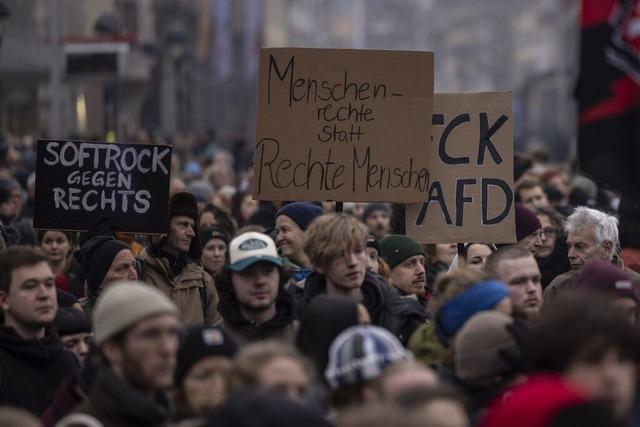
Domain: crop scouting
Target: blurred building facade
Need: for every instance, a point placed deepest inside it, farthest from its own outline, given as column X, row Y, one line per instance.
column 186, row 66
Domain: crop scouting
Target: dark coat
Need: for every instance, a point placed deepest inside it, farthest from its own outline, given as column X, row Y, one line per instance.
column 401, row 316
column 282, row 327
column 555, row 264
column 115, row 403
column 32, row 370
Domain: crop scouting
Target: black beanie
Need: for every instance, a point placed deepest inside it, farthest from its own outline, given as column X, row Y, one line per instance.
column 95, row 257
column 72, row 321
column 213, row 232
column 183, row 204
column 199, row 343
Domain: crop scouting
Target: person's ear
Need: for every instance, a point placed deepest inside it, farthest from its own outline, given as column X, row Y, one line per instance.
column 113, row 353
column 608, row 249
column 4, row 300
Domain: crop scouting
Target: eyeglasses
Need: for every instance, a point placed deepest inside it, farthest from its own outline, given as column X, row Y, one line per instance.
column 547, row 232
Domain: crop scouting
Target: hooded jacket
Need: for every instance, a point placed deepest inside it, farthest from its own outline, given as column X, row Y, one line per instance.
column 401, row 316
column 115, row 403
column 282, row 327
column 191, row 289
column 32, row 370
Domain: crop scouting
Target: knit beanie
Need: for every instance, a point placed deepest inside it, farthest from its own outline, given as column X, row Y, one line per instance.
column 526, row 222
column 123, row 304
column 395, row 248
column 71, row 321
column 480, row 297
column 360, row 354
column 95, row 257
column 373, row 207
column 485, row 349
column 183, row 204
column 201, row 342
column 604, row 277
column 302, row 213
column 213, row 232
column 372, row 242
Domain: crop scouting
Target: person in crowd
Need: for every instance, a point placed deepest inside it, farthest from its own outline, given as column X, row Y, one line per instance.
column 551, row 251
column 212, row 215
column 530, row 193
column 403, row 377
column 242, row 207
column 527, row 227
column 375, row 263
column 9, row 204
column 459, row 296
column 474, row 255
column 597, row 350
column 612, row 284
column 258, row 409
column 434, row 407
column 74, row 328
column 292, row 220
column 377, row 218
column 405, row 258
column 136, row 331
column 516, row 267
column 33, row 361
column 253, row 301
column 57, row 246
column 335, row 244
column 357, row 357
column 271, row 367
column 489, row 355
column 103, row 260
column 591, row 235
column 172, row 265
column 325, row 318
column 204, row 362
column 214, row 241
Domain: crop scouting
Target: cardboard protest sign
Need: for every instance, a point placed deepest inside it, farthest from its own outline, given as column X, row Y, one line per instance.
column 342, row 125
column 78, row 182
column 470, row 196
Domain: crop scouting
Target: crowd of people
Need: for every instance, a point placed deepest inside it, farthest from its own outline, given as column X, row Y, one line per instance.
column 302, row 313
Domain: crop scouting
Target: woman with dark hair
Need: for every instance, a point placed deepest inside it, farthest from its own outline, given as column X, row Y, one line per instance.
column 474, row 255
column 212, row 215
column 242, row 207
column 58, row 246
column 551, row 249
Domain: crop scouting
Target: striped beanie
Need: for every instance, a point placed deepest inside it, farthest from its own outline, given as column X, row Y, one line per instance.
column 360, row 354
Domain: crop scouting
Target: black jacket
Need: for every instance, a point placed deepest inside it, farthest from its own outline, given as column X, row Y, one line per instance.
column 32, row 370
column 281, row 327
column 555, row 264
column 116, row 403
column 401, row 316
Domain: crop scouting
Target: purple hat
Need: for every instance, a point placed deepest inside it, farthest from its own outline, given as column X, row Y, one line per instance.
column 604, row 277
column 526, row 222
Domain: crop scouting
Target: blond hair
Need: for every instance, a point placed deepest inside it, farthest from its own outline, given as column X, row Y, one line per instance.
column 331, row 236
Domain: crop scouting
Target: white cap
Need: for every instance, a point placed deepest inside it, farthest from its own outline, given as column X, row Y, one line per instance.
column 251, row 247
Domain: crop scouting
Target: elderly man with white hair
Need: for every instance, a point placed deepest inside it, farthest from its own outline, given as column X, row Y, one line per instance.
column 591, row 235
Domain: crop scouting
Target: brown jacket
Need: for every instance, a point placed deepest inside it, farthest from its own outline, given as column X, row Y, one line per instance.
column 192, row 291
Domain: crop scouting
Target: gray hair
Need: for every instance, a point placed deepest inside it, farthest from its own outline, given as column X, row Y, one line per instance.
column 605, row 226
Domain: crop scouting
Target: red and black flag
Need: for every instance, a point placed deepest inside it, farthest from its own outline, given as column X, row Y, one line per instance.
column 608, row 93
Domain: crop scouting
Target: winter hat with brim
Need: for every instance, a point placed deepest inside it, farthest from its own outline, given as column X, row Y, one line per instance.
column 485, row 349
column 251, row 247
column 483, row 296
column 123, row 304
column 302, row 213
column 183, row 204
column 370, row 208
column 360, row 354
column 606, row 278
column 200, row 343
column 71, row 321
column 395, row 248
column 526, row 222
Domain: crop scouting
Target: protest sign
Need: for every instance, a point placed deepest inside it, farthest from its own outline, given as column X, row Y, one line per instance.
column 79, row 182
column 343, row 125
column 469, row 197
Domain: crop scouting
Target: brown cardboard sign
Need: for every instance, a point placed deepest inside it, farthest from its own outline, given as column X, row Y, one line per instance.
column 470, row 196
column 342, row 124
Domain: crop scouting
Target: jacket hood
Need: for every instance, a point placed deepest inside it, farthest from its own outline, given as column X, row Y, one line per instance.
column 373, row 292
column 229, row 309
column 45, row 349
